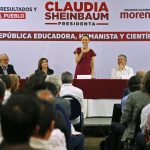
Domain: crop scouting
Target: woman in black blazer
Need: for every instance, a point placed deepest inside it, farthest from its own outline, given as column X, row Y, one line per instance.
column 43, row 66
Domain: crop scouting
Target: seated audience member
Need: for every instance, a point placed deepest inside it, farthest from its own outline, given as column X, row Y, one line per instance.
column 19, row 118
column 41, row 74
column 147, row 129
column 140, row 74
column 2, row 94
column 73, row 141
column 61, row 118
column 130, row 117
column 142, row 140
column 35, row 82
column 15, row 82
column 6, row 79
column 2, row 91
column 122, row 71
column 45, row 137
column 144, row 115
column 57, row 82
column 6, row 68
column 141, row 143
column 134, row 84
column 43, row 66
column 68, row 89
column 133, row 107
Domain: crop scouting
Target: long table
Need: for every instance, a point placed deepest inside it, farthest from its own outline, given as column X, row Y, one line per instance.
column 101, row 95
column 101, row 88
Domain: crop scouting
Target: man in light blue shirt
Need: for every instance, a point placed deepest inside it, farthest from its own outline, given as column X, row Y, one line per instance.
column 134, row 84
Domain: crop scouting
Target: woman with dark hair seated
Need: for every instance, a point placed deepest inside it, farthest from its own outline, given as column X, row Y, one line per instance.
column 43, row 66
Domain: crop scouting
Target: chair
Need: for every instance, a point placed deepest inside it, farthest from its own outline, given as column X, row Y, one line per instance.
column 113, row 140
column 116, row 113
column 75, row 111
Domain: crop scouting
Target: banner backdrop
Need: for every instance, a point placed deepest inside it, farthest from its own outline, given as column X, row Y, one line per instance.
column 53, row 29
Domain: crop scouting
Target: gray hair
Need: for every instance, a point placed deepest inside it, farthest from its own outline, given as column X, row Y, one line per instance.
column 55, row 79
column 2, row 55
column 140, row 74
column 66, row 77
column 122, row 55
column 145, row 86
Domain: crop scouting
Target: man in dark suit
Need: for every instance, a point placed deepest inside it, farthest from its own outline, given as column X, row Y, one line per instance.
column 6, row 68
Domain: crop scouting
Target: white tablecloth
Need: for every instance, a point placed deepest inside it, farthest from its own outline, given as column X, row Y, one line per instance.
column 99, row 107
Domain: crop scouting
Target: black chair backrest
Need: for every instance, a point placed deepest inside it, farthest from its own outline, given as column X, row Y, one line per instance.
column 75, row 106
column 116, row 113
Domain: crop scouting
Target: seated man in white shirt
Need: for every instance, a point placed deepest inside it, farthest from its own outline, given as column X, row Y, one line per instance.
column 122, row 71
column 45, row 137
column 68, row 89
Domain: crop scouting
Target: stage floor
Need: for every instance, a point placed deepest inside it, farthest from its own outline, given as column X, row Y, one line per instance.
column 97, row 121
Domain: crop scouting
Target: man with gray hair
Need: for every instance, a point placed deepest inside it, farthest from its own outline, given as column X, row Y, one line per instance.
column 68, row 89
column 122, row 71
column 57, row 82
column 5, row 67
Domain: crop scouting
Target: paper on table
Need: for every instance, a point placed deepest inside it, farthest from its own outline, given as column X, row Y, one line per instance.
column 83, row 76
column 73, row 131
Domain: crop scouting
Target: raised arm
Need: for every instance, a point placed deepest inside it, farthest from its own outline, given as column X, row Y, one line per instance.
column 78, row 57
